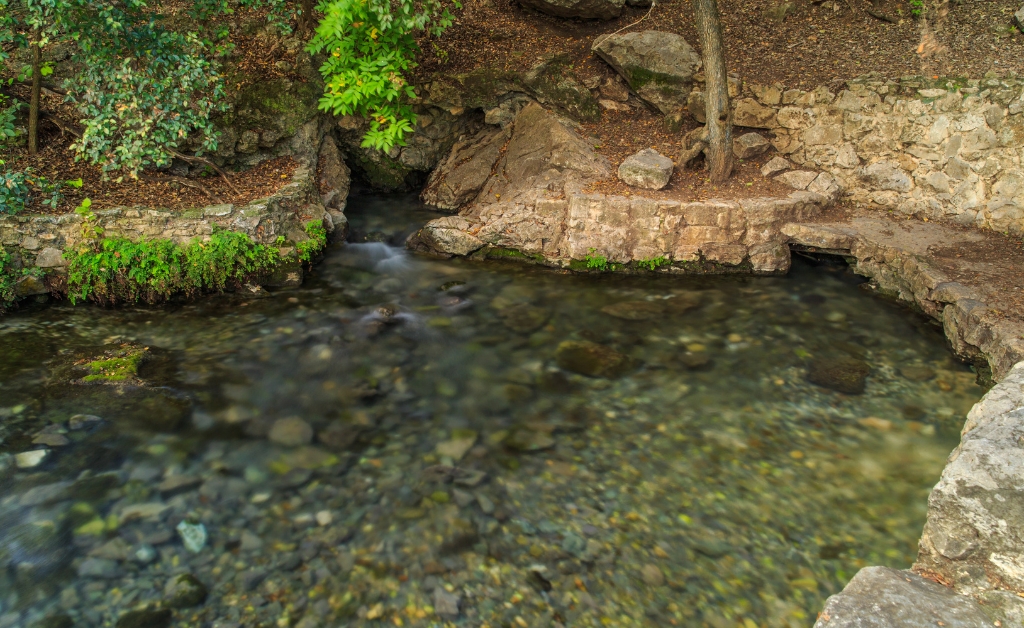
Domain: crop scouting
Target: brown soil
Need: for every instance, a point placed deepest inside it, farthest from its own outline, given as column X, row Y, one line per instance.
column 995, row 261
column 813, row 44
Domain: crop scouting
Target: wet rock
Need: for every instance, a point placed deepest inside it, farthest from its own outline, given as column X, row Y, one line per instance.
column 31, row 459
column 116, row 549
column 524, row 318
column 461, row 442
column 529, row 440
column 749, row 145
column 574, row 544
column 45, row 494
column 291, row 432
column 882, row 597
column 51, row 440
column 193, row 536
column 83, row 421
column 61, row 620
column 446, row 605
column 635, row 310
column 184, row 591
column 177, row 484
column 591, row 359
column 695, row 360
column 646, row 169
column 917, row 372
column 252, row 578
column 584, row 9
column 842, row 374
column 339, row 435
column 658, row 66
column 145, row 618
column 652, row 575
column 98, row 568
column 30, row 285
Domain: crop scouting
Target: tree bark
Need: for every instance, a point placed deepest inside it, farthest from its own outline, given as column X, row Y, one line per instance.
column 306, row 18
column 718, row 153
column 37, row 85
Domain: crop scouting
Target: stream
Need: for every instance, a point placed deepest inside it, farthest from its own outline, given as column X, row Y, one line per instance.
column 407, row 441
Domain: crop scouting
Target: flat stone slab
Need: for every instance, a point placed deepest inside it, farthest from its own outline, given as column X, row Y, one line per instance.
column 879, row 597
column 647, row 169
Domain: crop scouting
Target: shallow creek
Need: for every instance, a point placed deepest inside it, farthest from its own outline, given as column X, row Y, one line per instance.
column 453, row 472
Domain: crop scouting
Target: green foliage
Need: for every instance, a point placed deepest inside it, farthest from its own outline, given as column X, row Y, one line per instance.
column 916, row 7
column 141, row 89
column 280, row 13
column 371, row 46
column 8, row 116
column 18, row 189
column 316, row 242
column 8, row 280
column 654, row 263
column 121, row 270
column 596, row 262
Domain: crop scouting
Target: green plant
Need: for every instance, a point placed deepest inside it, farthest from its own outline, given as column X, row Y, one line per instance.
column 121, row 365
column 370, row 46
column 916, row 7
column 596, row 262
column 8, row 281
column 18, row 187
column 316, row 242
column 654, row 263
column 90, row 230
column 111, row 270
column 8, row 116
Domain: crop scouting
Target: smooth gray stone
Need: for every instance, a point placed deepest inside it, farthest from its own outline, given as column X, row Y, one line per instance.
column 879, row 597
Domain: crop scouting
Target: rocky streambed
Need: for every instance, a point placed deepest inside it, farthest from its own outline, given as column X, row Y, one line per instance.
column 415, row 442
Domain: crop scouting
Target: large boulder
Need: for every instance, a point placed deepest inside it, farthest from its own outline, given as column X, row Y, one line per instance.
column 460, row 177
column 585, row 9
column 552, row 83
column 527, row 170
column 333, row 176
column 658, row 66
column 880, row 597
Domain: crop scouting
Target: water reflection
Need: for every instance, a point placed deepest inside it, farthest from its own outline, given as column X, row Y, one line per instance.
column 416, row 441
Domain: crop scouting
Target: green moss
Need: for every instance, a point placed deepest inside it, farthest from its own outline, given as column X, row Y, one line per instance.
column 118, row 270
column 638, row 77
column 8, row 281
column 280, row 104
column 503, row 253
column 381, row 171
column 315, row 244
column 122, row 366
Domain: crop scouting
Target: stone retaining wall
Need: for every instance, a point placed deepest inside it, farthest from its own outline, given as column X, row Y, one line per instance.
column 931, row 148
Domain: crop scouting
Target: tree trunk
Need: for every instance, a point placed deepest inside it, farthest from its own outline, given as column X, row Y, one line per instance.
column 306, row 18
column 37, row 84
column 718, row 136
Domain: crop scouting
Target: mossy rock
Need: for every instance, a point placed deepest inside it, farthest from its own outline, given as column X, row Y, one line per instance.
column 552, row 83
column 382, row 172
column 280, row 104
column 481, row 88
column 592, row 359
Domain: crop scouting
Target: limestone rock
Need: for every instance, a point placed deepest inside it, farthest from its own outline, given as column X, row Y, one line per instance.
column 591, row 359
column 750, row 113
column 775, row 166
column 1018, row 18
column 658, row 66
column 880, row 597
column 749, row 145
column 646, row 169
column 460, row 177
column 552, row 82
column 842, row 374
column 29, row 285
column 797, row 179
column 615, row 89
column 446, row 236
column 883, row 175
column 334, row 178
column 50, row 257
column 585, row 9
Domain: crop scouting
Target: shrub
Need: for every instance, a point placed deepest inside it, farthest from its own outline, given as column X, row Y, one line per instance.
column 370, row 46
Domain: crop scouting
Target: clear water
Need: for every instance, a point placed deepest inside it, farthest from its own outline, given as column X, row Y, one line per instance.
column 712, row 484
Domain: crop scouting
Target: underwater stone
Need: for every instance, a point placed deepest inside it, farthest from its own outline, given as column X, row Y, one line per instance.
column 591, row 359
column 184, row 591
column 842, row 374
column 193, row 536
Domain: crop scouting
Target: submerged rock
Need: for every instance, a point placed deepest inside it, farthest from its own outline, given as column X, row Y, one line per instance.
column 291, row 432
column 524, row 318
column 842, row 374
column 145, row 618
column 635, row 310
column 591, row 359
column 184, row 591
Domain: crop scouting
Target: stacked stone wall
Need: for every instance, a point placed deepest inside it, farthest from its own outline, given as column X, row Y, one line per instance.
column 937, row 149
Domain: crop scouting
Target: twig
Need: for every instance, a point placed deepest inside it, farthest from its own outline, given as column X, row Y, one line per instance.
column 207, row 162
column 183, row 181
column 654, row 3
